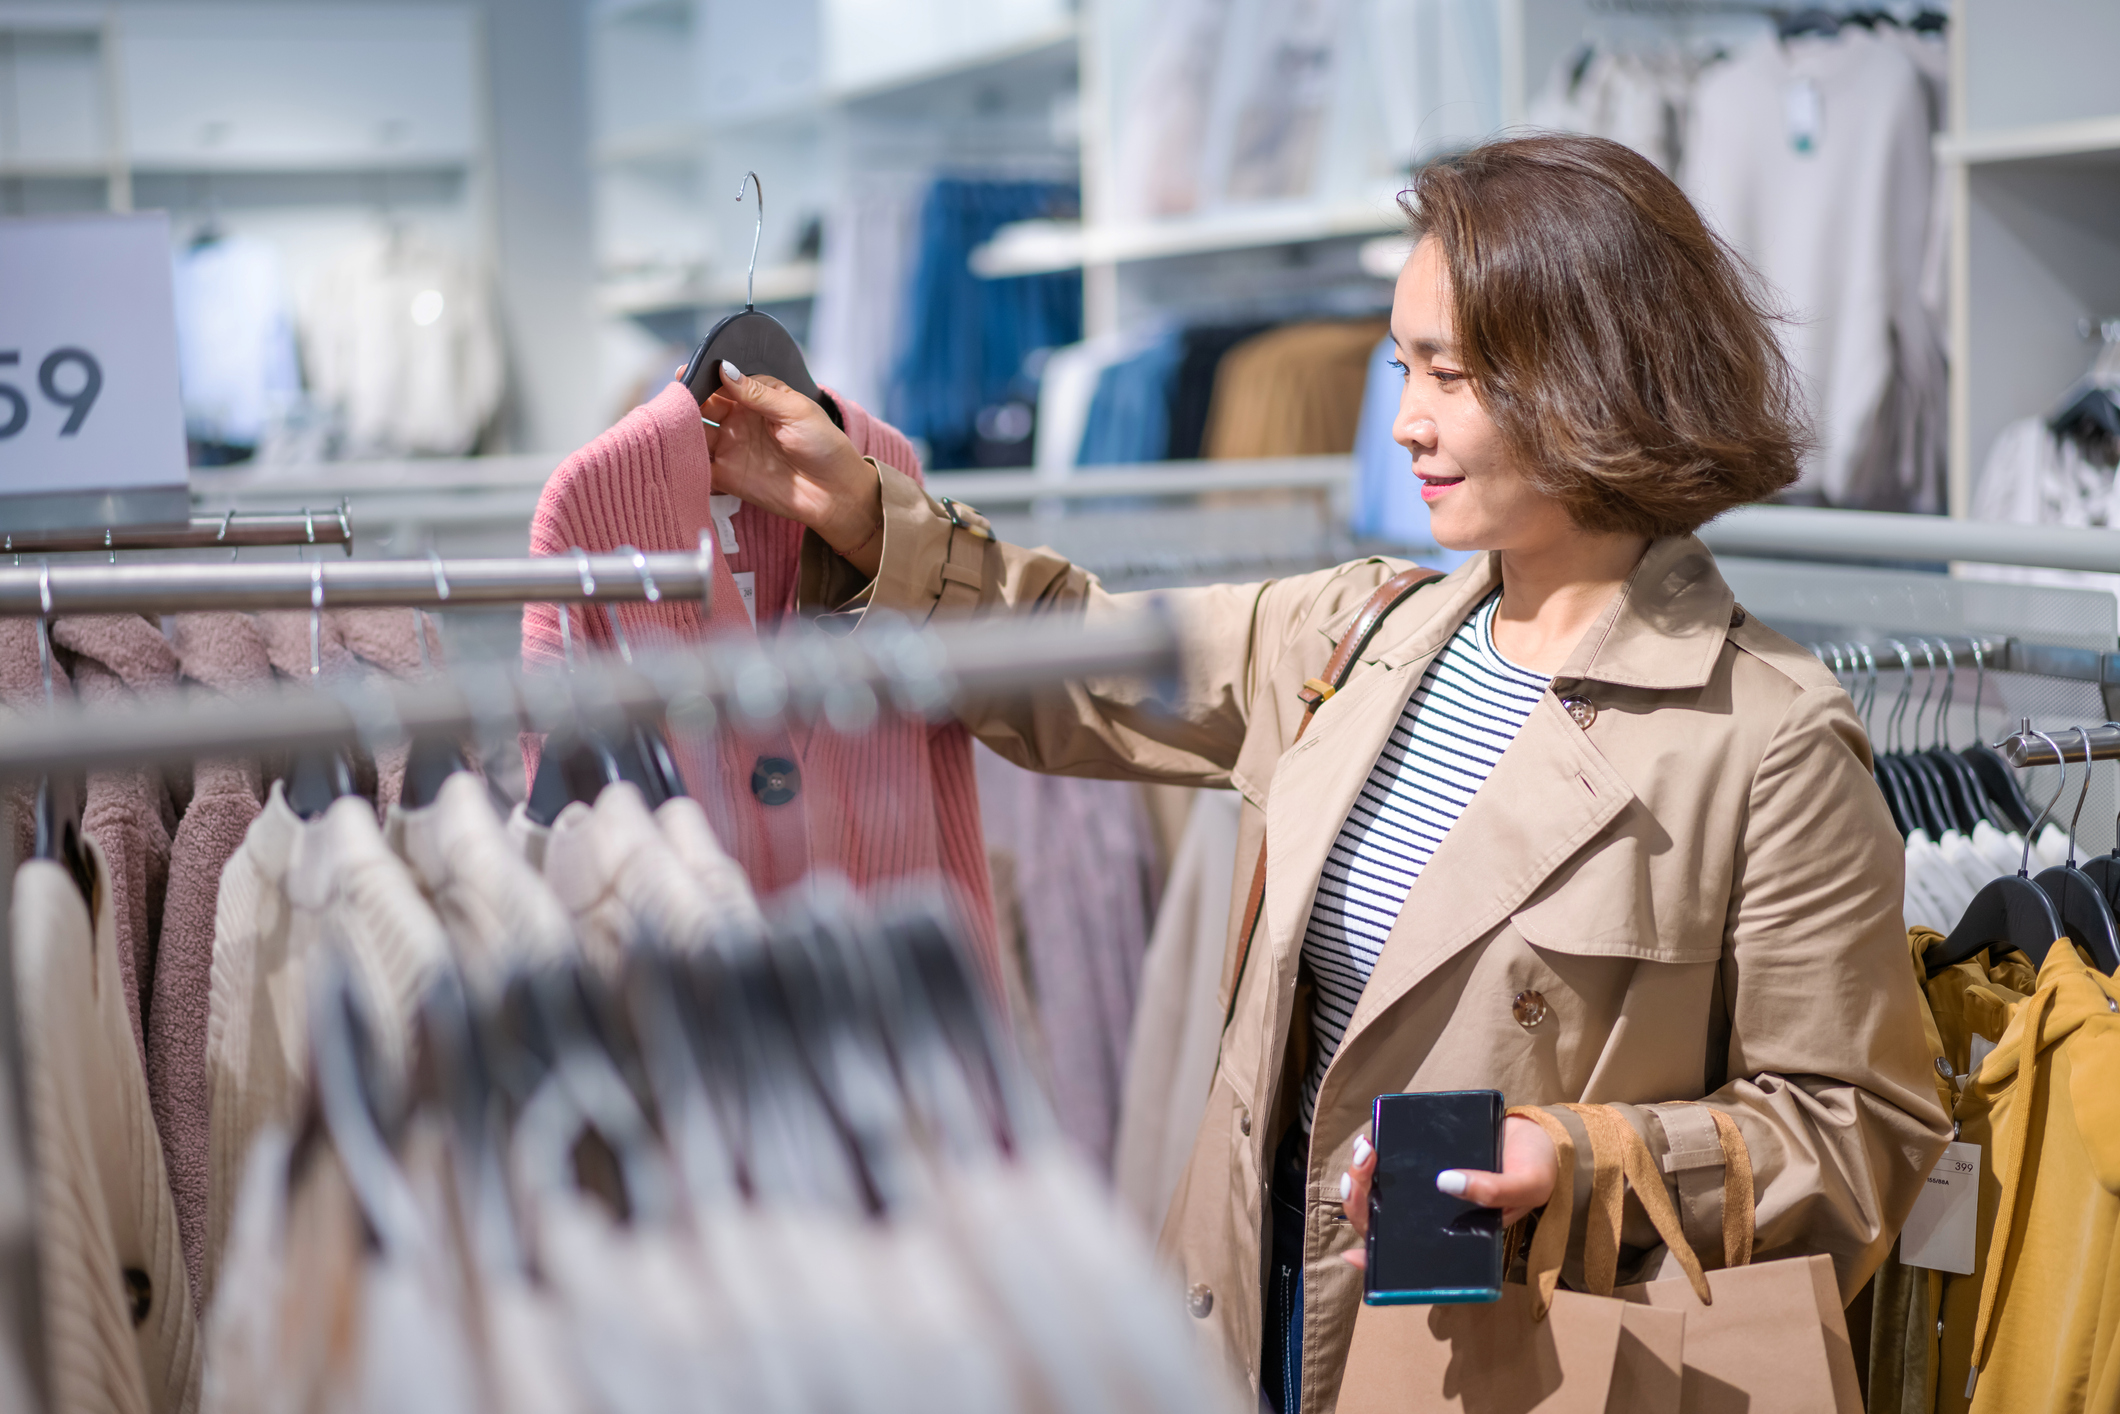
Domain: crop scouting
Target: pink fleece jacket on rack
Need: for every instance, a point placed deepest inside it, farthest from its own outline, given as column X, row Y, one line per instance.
column 897, row 801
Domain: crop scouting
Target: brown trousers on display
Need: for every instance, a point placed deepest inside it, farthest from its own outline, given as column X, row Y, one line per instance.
column 1750, row 1338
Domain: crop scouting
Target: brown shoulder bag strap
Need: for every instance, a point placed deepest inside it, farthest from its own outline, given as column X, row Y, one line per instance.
column 1388, row 596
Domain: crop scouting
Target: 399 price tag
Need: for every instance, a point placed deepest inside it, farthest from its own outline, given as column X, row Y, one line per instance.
column 91, row 418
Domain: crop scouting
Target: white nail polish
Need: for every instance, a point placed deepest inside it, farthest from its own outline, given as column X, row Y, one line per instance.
column 1450, row 1181
column 1346, row 1186
column 730, row 373
column 1361, row 1149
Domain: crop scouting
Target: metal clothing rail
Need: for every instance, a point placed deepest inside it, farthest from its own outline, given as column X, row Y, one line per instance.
column 1802, row 532
column 375, row 584
column 844, row 681
column 2022, row 748
column 231, row 531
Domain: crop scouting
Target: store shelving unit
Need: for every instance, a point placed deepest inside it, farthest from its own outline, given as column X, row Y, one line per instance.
column 2033, row 164
column 691, row 94
column 300, row 122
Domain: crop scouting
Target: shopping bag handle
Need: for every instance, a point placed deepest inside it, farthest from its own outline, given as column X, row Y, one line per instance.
column 1620, row 1158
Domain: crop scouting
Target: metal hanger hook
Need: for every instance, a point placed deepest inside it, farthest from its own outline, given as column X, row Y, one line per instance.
column 1906, row 691
column 1979, row 684
column 750, row 279
column 2081, row 795
column 1928, row 687
column 44, row 630
column 2024, row 866
column 1950, row 692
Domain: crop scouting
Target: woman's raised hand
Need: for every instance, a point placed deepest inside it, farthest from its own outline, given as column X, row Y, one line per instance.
column 1529, row 1171
column 779, row 451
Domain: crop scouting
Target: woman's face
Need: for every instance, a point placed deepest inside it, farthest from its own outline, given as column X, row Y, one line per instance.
column 1477, row 500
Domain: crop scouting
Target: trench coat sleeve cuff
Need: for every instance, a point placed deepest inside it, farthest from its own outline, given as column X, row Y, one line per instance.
column 932, row 554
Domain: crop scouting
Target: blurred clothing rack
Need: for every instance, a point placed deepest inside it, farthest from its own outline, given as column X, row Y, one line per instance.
column 372, row 584
column 231, row 531
column 842, row 680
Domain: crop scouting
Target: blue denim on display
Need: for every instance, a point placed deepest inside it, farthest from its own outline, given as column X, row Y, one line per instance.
column 1129, row 418
column 967, row 338
column 1387, row 495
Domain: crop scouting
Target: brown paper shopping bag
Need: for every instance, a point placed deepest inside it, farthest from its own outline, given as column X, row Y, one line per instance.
column 1537, row 1349
column 1761, row 1337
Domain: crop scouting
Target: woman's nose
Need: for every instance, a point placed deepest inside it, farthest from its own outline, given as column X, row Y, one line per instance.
column 1416, row 431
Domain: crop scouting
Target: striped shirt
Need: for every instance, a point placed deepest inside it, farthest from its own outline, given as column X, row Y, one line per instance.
column 1468, row 708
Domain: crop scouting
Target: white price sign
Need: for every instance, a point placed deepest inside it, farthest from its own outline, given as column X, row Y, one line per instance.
column 91, row 419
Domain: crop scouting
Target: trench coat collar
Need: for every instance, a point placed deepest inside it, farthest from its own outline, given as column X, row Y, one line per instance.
column 1662, row 631
column 1549, row 795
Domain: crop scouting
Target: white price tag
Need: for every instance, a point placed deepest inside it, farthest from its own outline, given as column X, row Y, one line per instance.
column 1939, row 1232
column 747, row 587
column 91, row 419
column 724, row 509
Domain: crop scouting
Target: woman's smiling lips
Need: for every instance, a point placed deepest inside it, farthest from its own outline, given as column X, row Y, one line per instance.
column 1433, row 487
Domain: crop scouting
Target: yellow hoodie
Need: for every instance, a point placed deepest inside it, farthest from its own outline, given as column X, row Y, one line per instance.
column 2037, row 1326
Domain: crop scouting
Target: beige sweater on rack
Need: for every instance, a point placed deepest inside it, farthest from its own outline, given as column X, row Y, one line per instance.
column 294, row 887
column 118, row 1322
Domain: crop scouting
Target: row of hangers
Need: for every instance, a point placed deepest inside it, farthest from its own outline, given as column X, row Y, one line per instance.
column 1933, row 788
column 2028, row 915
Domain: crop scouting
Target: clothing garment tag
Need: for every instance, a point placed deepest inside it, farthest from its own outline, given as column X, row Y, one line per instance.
column 747, row 586
column 723, row 509
column 1939, row 1232
column 1801, row 107
column 1978, row 1049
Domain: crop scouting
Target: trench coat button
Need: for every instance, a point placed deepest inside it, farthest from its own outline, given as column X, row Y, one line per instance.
column 775, row 780
column 1244, row 1123
column 139, row 1294
column 1737, row 616
column 1529, row 1009
column 1200, row 1300
column 1582, row 709
column 1943, row 1068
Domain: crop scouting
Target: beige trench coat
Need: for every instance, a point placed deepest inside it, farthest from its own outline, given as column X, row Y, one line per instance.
column 1681, row 885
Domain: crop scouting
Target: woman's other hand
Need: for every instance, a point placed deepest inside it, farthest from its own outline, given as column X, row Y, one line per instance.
column 779, row 451
column 1529, row 1171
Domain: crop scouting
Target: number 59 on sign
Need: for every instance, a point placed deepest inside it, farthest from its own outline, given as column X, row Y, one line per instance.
column 91, row 418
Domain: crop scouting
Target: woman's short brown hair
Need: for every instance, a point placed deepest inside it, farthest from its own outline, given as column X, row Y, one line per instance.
column 1624, row 351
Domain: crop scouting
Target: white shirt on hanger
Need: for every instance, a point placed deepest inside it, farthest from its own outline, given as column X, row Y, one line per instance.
column 1812, row 158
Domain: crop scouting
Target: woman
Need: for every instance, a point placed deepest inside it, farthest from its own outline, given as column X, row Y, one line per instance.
column 1576, row 829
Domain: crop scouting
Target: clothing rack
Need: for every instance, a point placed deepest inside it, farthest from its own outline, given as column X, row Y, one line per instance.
column 842, row 680
column 808, row 676
column 625, row 576
column 232, row 531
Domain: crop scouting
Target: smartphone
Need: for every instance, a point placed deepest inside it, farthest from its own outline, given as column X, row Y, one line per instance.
column 1425, row 1247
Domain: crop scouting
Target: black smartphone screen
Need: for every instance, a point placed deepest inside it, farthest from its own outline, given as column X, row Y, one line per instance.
column 1425, row 1247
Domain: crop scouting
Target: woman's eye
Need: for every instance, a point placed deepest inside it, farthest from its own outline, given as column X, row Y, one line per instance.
column 1444, row 376
column 1403, row 370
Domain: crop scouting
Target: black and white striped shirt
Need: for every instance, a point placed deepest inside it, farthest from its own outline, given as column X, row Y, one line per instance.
column 1470, row 705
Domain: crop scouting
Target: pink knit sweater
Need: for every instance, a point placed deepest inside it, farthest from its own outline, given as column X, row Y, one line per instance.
column 896, row 802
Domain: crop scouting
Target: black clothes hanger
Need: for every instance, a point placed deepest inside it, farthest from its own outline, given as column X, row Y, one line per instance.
column 430, row 758
column 1812, row 21
column 576, row 766
column 2086, row 915
column 1997, row 780
column 2009, row 912
column 751, row 339
column 58, row 833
